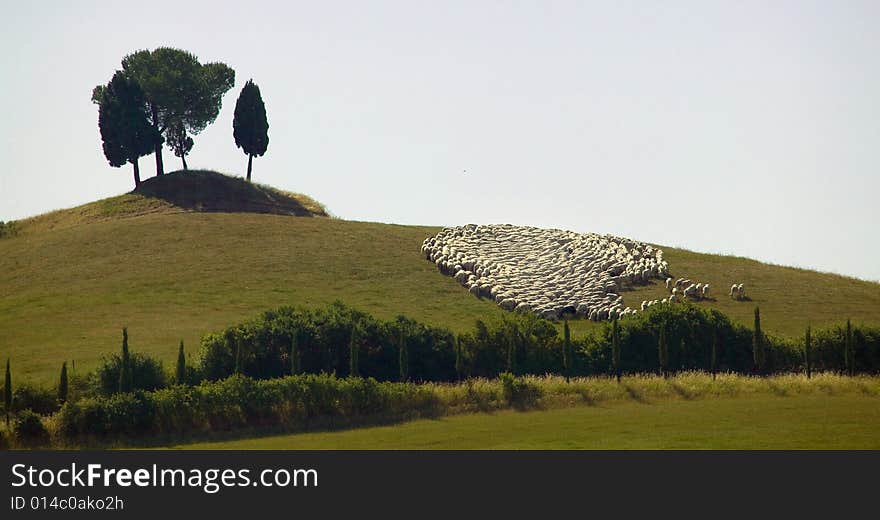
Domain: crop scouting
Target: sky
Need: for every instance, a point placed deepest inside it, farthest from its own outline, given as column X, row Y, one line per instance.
column 748, row 128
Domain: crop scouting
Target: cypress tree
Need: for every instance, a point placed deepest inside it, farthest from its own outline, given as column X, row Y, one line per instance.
column 713, row 363
column 62, row 384
column 353, row 347
column 403, row 357
column 808, row 348
column 294, row 354
column 125, row 376
column 511, row 350
column 459, row 359
column 7, row 393
column 181, row 365
column 249, row 124
column 849, row 351
column 615, row 348
column 758, row 350
column 663, row 352
column 237, row 367
column 566, row 350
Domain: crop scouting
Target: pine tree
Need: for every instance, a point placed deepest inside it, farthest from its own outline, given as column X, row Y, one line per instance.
column 7, row 393
column 354, row 347
column 808, row 351
column 181, row 366
column 615, row 348
column 63, row 384
column 403, row 357
column 125, row 375
column 758, row 349
column 663, row 352
column 566, row 350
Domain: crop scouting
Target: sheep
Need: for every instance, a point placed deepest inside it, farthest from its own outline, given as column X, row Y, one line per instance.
column 705, row 291
column 741, row 290
column 734, row 291
column 668, row 283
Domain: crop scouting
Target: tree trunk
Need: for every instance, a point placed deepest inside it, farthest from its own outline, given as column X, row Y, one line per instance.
column 160, row 170
column 250, row 161
column 183, row 158
column 137, row 173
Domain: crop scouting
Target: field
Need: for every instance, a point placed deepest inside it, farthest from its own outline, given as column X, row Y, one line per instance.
column 70, row 280
column 765, row 422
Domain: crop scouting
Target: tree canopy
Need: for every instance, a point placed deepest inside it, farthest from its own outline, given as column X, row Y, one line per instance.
column 122, row 120
column 249, row 126
column 179, row 92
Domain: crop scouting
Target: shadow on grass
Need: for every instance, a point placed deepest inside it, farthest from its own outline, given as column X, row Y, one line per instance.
column 316, row 425
column 203, row 190
column 634, row 394
column 682, row 392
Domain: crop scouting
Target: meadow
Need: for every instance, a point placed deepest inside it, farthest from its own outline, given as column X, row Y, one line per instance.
column 171, row 269
column 766, row 422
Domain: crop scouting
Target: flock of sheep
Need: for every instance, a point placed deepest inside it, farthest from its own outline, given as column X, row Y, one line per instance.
column 551, row 272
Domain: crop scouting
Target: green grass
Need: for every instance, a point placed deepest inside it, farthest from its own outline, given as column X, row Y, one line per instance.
column 758, row 422
column 70, row 280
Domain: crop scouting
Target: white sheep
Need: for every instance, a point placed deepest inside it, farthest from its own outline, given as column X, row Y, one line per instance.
column 668, row 283
column 705, row 291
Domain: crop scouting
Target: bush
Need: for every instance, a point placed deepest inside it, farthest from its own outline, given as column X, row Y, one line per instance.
column 518, row 392
column 4, row 444
column 39, row 400
column 240, row 401
column 261, row 348
column 29, row 430
column 147, row 374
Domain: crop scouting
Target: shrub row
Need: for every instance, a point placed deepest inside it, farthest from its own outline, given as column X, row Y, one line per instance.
column 320, row 340
column 240, row 401
column 288, row 340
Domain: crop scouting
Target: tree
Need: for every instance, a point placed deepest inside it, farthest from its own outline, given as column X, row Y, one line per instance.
column 181, row 366
column 808, row 348
column 663, row 352
column 511, row 351
column 179, row 142
column 615, row 348
column 758, row 350
column 354, row 347
column 63, row 384
column 7, row 393
column 403, row 357
column 178, row 89
column 566, row 350
column 294, row 354
column 459, row 359
column 849, row 351
column 125, row 374
column 713, row 363
column 249, row 125
column 122, row 120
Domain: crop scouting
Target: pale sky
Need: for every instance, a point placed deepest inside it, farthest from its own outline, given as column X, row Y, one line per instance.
column 750, row 128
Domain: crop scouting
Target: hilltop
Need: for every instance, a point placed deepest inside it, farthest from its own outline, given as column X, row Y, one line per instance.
column 190, row 253
column 178, row 192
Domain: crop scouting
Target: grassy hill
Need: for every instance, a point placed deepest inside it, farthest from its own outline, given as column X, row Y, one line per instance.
column 190, row 253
